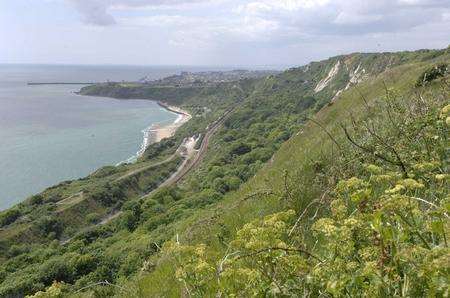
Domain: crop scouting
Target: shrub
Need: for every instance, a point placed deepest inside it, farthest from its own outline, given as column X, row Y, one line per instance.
column 49, row 225
column 239, row 149
column 16, row 250
column 56, row 269
column 432, row 74
column 93, row 218
column 104, row 171
column 54, row 291
column 385, row 233
column 36, row 199
column 9, row 216
column 128, row 220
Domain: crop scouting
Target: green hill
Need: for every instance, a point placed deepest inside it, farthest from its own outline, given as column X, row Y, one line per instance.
column 328, row 178
column 305, row 175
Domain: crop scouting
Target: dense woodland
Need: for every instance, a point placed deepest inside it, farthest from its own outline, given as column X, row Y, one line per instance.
column 304, row 191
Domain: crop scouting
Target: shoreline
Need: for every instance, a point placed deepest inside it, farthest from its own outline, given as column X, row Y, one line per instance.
column 156, row 132
column 166, row 131
column 173, row 109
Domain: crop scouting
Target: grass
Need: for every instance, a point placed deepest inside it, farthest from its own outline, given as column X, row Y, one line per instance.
column 300, row 171
column 295, row 157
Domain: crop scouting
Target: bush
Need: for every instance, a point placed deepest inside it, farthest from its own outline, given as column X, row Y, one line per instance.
column 233, row 182
column 9, row 216
column 83, row 264
column 205, row 197
column 220, row 185
column 128, row 220
column 432, row 74
column 107, row 194
column 131, row 264
column 36, row 199
column 56, row 269
column 167, row 195
column 93, row 218
column 105, row 171
column 384, row 233
column 54, row 291
column 49, row 226
column 16, row 250
column 239, row 149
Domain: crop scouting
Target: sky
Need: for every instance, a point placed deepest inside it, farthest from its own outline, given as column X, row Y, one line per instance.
column 215, row 32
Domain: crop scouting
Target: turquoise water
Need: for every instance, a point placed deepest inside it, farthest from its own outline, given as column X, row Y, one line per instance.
column 48, row 134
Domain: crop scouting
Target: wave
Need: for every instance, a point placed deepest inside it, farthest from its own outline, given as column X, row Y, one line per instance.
column 145, row 143
column 179, row 115
column 147, row 140
column 179, row 118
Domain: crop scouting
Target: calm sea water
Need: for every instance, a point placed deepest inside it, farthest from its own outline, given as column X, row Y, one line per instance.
column 48, row 134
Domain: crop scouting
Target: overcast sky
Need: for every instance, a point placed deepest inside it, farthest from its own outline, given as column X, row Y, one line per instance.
column 214, row 32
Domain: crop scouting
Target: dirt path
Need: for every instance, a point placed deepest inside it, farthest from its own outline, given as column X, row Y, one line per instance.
column 109, row 218
column 139, row 170
column 203, row 147
column 192, row 159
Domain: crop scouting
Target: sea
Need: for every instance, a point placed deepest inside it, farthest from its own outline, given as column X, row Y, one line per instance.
column 49, row 134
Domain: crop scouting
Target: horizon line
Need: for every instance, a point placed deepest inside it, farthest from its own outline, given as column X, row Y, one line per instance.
column 149, row 65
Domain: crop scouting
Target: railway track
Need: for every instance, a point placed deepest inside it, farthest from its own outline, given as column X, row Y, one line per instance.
column 187, row 166
column 190, row 164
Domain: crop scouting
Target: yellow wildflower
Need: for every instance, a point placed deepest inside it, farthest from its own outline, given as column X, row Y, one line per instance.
column 441, row 177
column 382, row 178
column 338, row 208
column 373, row 169
column 325, row 226
column 445, row 111
column 426, row 166
column 396, row 189
column 411, row 184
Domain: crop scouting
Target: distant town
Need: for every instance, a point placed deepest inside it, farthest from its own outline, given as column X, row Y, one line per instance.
column 207, row 77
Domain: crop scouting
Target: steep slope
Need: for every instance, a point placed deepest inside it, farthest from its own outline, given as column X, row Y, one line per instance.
column 223, row 194
column 304, row 170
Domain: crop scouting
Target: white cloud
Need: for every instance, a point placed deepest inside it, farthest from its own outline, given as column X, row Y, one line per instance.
column 446, row 16
column 343, row 17
column 346, row 18
column 93, row 12
column 265, row 17
column 268, row 26
column 97, row 12
column 166, row 21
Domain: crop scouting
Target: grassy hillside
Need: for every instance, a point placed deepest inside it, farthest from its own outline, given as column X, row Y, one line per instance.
column 305, row 169
column 240, row 180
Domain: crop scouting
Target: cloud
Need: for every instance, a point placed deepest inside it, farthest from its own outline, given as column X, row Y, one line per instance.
column 97, row 12
column 266, row 26
column 347, row 17
column 93, row 12
column 265, row 19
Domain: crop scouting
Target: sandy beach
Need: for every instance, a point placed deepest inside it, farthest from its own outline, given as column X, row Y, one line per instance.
column 156, row 133
column 162, row 132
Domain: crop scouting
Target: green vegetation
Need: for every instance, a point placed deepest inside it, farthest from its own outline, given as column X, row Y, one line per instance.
column 432, row 74
column 384, row 233
column 301, row 176
column 296, row 195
